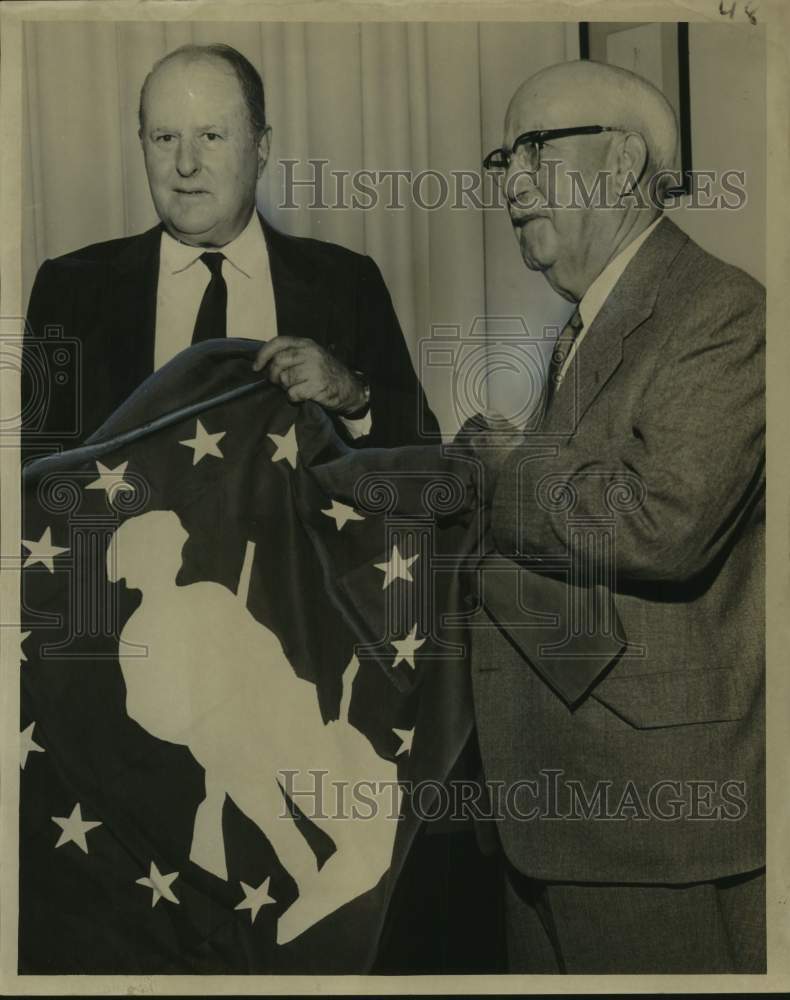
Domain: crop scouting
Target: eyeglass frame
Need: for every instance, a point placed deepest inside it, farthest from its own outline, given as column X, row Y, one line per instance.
column 538, row 137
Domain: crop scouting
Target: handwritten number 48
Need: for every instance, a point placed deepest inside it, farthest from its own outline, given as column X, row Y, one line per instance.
column 748, row 10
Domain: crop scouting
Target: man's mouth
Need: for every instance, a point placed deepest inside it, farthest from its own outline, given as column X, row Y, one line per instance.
column 519, row 221
column 190, row 191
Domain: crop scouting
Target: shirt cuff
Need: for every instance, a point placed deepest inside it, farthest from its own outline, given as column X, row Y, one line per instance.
column 360, row 427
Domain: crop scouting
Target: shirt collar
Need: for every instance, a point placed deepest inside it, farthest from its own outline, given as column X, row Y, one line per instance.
column 247, row 253
column 599, row 291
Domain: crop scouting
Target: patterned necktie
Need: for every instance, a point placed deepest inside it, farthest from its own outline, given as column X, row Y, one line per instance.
column 560, row 353
column 211, row 319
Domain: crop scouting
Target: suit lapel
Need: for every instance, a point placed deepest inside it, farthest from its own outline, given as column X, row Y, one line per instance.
column 297, row 297
column 130, row 310
column 629, row 304
column 132, row 315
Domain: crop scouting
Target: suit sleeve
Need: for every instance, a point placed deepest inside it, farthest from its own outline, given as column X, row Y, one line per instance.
column 688, row 473
column 50, row 368
column 399, row 409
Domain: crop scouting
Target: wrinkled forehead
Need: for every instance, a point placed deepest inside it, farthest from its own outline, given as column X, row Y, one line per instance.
column 543, row 106
column 203, row 86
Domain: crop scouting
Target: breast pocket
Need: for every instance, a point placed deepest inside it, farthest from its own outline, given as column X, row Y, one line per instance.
column 677, row 697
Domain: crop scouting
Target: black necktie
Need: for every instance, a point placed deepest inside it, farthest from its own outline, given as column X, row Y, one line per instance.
column 211, row 319
column 561, row 351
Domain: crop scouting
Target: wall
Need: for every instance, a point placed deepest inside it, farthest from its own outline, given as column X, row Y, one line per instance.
column 727, row 83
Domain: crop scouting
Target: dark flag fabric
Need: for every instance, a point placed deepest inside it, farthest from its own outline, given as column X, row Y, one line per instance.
column 243, row 647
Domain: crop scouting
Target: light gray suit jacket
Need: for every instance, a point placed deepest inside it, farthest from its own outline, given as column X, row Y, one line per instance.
column 645, row 488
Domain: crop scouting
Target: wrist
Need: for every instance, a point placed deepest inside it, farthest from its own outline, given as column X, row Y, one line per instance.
column 360, row 403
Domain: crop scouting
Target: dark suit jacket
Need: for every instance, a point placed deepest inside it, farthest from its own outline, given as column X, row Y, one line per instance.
column 656, row 437
column 99, row 303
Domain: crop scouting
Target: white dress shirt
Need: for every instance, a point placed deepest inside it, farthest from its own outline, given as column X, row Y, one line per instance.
column 599, row 291
column 183, row 278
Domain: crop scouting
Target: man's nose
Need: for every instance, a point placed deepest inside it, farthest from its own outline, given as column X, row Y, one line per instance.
column 187, row 159
column 520, row 185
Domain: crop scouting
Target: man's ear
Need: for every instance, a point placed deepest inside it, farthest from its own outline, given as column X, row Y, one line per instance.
column 264, row 145
column 631, row 163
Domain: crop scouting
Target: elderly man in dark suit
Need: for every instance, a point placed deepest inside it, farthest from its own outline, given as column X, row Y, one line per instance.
column 214, row 267
column 630, row 753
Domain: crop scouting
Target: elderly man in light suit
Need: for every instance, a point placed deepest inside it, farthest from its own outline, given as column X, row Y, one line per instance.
column 637, row 843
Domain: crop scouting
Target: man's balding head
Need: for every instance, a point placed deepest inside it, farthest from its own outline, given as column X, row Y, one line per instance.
column 590, row 193
column 582, row 92
column 247, row 76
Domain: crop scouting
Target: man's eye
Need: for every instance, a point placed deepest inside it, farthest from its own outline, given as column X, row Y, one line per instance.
column 212, row 136
column 164, row 137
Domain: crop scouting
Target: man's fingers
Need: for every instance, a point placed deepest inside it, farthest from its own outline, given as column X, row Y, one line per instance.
column 290, row 358
column 302, row 391
column 295, row 364
column 268, row 351
column 296, row 375
column 273, row 347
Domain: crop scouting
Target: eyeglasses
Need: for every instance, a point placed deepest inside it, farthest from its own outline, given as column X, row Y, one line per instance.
column 529, row 144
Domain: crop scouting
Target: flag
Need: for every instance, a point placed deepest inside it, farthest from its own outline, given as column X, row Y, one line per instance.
column 242, row 644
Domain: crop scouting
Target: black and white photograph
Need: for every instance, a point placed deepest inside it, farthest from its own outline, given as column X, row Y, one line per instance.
column 387, row 589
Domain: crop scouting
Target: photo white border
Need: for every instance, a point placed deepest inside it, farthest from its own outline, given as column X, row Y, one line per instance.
column 775, row 15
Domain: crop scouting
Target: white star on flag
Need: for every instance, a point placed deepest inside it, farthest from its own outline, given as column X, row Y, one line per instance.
column 397, row 568
column 406, row 737
column 204, row 443
column 42, row 551
column 111, row 480
column 22, row 637
column 406, row 648
column 342, row 514
column 74, row 828
column 287, row 448
column 254, row 899
column 160, row 884
column 28, row 745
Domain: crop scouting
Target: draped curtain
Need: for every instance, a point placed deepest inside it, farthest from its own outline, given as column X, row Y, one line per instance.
column 376, row 96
